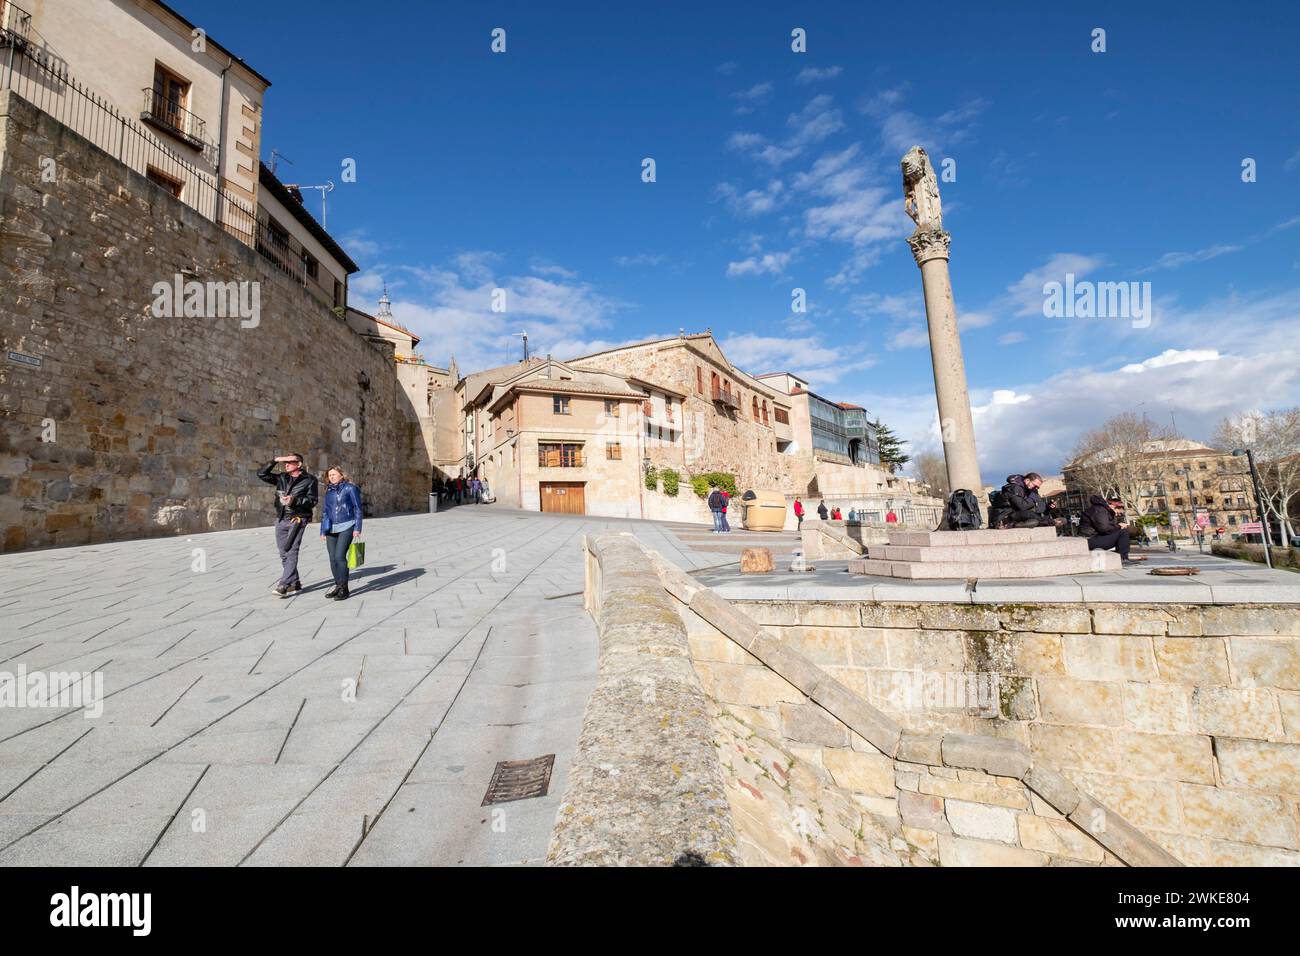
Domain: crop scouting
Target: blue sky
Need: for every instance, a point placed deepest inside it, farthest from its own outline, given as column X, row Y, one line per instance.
column 778, row 170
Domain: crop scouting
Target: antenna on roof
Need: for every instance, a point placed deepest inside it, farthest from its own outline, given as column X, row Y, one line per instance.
column 276, row 156
column 525, row 338
column 328, row 187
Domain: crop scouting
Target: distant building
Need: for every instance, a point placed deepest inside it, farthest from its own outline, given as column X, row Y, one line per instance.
column 1184, row 478
column 556, row 438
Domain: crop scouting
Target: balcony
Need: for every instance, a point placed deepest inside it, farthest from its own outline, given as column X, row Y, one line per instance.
column 274, row 246
column 170, row 117
column 563, row 455
column 15, row 25
column 726, row 398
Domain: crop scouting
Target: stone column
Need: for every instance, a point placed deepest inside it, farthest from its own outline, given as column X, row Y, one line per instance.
column 930, row 248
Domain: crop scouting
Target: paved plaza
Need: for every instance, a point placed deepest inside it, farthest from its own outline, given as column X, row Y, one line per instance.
column 242, row 729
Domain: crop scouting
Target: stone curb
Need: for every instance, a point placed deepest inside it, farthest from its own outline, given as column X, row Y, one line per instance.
column 645, row 787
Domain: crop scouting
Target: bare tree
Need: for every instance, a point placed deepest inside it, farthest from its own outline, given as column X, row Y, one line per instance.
column 931, row 470
column 1116, row 459
column 1274, row 437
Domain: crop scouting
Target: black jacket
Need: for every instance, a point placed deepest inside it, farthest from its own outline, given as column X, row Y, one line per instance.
column 1017, row 503
column 715, row 501
column 303, row 488
column 822, row 512
column 1097, row 519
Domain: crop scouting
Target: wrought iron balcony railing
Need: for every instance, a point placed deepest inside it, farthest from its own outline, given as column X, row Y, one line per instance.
column 173, row 118
column 15, row 25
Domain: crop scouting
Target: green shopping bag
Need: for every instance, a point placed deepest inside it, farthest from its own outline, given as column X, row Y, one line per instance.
column 356, row 555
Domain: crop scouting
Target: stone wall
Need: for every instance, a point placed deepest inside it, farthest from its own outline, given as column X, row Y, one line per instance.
column 158, row 424
column 1183, row 718
column 812, row 773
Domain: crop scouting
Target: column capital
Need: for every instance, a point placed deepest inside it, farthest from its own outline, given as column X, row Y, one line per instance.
column 929, row 245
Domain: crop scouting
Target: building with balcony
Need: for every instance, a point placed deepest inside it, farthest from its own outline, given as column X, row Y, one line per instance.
column 556, row 438
column 1175, row 477
column 156, row 68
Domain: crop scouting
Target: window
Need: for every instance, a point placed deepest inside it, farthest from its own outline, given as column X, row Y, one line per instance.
column 613, row 451
column 560, row 404
column 755, row 401
column 611, row 408
column 159, row 178
column 559, row 454
column 1202, row 466
column 765, row 421
column 782, row 416
column 1241, row 501
column 340, row 295
column 171, row 97
column 699, row 380
column 1232, row 519
column 1178, row 502
column 310, row 265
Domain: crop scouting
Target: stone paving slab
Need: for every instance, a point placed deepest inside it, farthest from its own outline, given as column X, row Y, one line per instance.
column 289, row 722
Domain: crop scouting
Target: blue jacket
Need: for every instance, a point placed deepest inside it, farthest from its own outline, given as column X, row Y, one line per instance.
column 342, row 504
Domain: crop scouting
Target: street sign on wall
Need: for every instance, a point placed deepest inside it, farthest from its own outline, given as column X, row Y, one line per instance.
column 1251, row 527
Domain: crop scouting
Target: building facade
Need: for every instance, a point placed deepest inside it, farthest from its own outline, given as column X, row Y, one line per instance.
column 554, row 438
column 1201, row 486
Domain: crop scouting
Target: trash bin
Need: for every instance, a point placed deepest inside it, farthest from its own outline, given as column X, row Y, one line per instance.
column 433, row 503
column 764, row 510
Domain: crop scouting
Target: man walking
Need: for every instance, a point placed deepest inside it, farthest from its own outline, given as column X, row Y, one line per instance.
column 296, row 494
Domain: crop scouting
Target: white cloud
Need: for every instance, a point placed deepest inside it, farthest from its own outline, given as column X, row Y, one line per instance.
column 1027, row 292
column 1173, row 357
column 770, row 263
column 1011, row 338
column 818, row 364
column 641, row 259
column 1173, row 260
column 551, row 269
column 909, row 337
column 813, row 74
column 753, row 202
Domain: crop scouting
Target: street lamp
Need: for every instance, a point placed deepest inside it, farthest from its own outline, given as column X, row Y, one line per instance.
column 1259, row 501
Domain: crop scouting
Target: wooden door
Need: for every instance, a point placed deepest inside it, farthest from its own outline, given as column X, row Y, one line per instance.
column 564, row 497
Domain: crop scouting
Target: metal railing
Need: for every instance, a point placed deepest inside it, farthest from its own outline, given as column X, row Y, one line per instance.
column 42, row 80
column 15, row 25
column 173, row 117
column 275, row 249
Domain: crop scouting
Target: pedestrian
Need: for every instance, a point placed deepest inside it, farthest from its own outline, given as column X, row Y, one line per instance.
column 340, row 525
column 726, row 498
column 715, row 508
column 475, row 489
column 798, row 513
column 853, row 516
column 1019, row 505
column 1102, row 524
column 295, row 499
column 891, row 518
column 822, row 511
column 836, row 515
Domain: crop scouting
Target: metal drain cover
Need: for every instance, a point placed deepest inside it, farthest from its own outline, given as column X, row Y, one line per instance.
column 519, row 780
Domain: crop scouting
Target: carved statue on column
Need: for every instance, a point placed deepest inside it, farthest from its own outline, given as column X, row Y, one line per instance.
column 921, row 191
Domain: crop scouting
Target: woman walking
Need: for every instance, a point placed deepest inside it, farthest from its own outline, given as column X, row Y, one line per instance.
column 340, row 523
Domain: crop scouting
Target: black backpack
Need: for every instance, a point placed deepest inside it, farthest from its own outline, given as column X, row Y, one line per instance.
column 963, row 512
column 997, row 507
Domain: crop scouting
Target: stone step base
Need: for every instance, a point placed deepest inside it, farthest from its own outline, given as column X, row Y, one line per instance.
column 928, row 539
column 990, row 568
column 1004, row 551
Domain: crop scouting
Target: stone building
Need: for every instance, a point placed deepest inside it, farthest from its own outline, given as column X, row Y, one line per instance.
column 1182, row 478
column 561, row 439
column 152, row 65
column 732, row 422
column 128, row 411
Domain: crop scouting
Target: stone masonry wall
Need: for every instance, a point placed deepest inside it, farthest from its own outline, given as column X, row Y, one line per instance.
column 1184, row 719
column 811, row 773
column 160, row 423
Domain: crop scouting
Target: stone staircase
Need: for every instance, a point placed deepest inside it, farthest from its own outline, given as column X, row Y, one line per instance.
column 1009, row 553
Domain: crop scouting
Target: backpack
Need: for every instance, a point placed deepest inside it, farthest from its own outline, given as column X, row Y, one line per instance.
column 997, row 506
column 963, row 512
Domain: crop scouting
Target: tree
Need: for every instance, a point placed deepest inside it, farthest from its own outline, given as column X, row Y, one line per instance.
column 1274, row 437
column 890, row 447
column 931, row 470
column 1116, row 459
